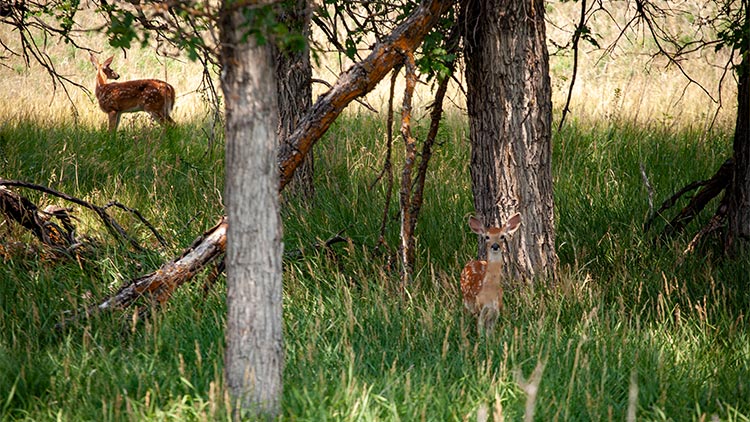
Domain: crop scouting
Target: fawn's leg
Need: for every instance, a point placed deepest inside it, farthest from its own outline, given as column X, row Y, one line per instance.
column 487, row 319
column 114, row 120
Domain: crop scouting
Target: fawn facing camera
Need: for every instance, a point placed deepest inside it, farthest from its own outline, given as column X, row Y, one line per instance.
column 481, row 281
column 150, row 95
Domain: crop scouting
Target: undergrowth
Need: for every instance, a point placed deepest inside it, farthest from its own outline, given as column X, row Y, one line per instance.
column 632, row 324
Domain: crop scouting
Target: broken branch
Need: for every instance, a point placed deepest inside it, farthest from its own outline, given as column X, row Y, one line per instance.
column 108, row 221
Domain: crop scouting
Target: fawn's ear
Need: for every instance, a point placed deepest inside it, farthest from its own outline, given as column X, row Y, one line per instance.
column 476, row 225
column 108, row 61
column 513, row 223
column 94, row 61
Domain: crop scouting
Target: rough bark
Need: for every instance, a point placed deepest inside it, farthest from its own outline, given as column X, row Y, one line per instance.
column 358, row 80
column 510, row 113
column 254, row 346
column 738, row 212
column 293, row 84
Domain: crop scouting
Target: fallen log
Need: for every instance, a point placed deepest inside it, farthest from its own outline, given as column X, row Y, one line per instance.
column 110, row 223
column 160, row 284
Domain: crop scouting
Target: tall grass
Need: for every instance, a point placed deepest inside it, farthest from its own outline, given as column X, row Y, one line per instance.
column 632, row 325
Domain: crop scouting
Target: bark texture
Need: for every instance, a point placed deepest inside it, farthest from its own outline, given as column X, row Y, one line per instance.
column 293, row 84
column 510, row 115
column 254, row 347
column 738, row 213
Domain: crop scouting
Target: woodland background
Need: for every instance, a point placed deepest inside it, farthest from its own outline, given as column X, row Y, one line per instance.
column 635, row 326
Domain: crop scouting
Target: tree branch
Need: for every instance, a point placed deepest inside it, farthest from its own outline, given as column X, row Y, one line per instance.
column 357, row 81
column 108, row 221
column 576, row 38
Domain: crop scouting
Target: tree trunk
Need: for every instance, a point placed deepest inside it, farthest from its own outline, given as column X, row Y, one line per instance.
column 358, row 80
column 408, row 243
column 254, row 347
column 361, row 78
column 738, row 212
column 510, row 113
column 293, row 84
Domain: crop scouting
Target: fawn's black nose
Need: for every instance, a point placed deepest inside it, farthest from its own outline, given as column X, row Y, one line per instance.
column 495, row 247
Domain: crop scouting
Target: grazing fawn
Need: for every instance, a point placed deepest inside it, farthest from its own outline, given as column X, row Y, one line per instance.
column 150, row 95
column 481, row 281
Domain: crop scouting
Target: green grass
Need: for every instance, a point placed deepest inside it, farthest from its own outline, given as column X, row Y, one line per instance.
column 625, row 307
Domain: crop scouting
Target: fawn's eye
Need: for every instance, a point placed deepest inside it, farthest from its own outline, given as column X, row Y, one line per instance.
column 486, row 238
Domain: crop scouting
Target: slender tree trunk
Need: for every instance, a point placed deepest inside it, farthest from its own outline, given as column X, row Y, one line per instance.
column 408, row 244
column 293, row 83
column 510, row 115
column 254, row 346
column 738, row 212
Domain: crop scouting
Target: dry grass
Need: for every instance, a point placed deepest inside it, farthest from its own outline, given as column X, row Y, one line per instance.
column 626, row 83
column 30, row 94
column 629, row 82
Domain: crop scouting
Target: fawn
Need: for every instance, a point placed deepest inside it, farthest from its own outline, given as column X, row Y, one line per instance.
column 150, row 95
column 481, row 281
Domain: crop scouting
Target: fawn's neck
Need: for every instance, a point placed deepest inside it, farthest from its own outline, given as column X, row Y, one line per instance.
column 491, row 291
column 492, row 275
column 101, row 79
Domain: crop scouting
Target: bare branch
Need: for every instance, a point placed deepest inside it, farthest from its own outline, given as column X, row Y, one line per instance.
column 576, row 38
column 387, row 166
column 140, row 217
column 108, row 221
column 710, row 189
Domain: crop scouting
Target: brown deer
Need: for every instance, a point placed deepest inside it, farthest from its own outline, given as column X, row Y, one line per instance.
column 150, row 95
column 482, row 281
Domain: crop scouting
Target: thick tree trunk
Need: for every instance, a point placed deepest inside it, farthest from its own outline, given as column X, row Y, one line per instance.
column 254, row 349
column 293, row 84
column 510, row 113
column 738, row 212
